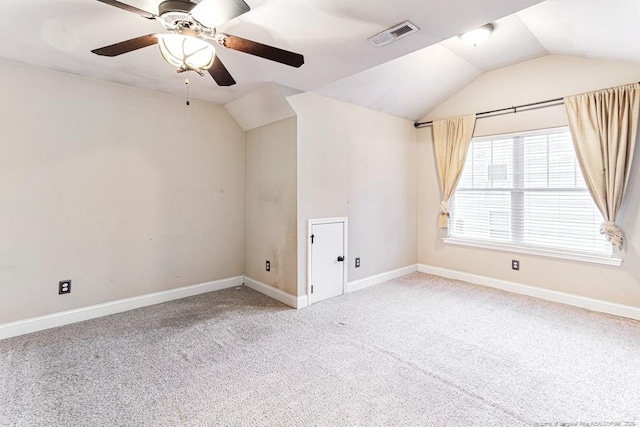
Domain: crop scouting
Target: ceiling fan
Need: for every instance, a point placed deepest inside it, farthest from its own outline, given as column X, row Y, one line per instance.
column 187, row 42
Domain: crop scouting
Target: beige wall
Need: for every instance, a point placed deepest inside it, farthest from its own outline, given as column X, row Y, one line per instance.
column 124, row 191
column 544, row 78
column 129, row 192
column 360, row 164
column 270, row 218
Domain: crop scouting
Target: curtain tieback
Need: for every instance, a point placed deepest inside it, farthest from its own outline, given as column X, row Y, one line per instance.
column 613, row 233
column 444, row 207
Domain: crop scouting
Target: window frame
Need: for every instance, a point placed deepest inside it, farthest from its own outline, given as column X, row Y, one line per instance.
column 515, row 247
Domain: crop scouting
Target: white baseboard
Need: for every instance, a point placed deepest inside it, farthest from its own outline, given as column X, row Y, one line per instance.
column 356, row 285
column 35, row 324
column 303, row 301
column 275, row 293
column 546, row 294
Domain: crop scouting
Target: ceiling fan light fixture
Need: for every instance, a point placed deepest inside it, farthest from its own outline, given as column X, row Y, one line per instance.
column 477, row 36
column 186, row 52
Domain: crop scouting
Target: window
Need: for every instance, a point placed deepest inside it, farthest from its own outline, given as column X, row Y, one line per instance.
column 527, row 190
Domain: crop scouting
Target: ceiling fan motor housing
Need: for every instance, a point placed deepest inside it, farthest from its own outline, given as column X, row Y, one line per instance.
column 175, row 12
column 167, row 6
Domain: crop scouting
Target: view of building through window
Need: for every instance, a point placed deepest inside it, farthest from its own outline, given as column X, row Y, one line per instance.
column 527, row 189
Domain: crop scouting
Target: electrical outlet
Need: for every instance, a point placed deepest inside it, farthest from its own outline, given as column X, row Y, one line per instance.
column 358, row 262
column 64, row 287
column 268, row 266
column 515, row 264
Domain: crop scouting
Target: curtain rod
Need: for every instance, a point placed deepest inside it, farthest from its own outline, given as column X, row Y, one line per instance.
column 508, row 110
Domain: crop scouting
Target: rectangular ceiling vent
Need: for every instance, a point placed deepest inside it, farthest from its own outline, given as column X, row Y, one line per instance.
column 394, row 33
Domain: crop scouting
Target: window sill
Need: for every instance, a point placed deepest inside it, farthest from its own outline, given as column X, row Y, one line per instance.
column 595, row 259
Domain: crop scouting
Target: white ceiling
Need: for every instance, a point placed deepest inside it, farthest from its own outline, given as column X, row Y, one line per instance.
column 407, row 78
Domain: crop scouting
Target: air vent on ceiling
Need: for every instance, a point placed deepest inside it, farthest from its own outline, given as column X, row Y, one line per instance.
column 394, row 33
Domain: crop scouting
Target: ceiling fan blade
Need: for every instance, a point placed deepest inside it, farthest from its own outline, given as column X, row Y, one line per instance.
column 216, row 12
column 220, row 73
column 128, row 8
column 263, row 50
column 127, row 45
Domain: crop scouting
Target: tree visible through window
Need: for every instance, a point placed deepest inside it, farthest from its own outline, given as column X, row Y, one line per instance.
column 527, row 190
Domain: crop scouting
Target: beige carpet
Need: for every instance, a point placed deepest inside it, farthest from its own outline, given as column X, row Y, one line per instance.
column 420, row 350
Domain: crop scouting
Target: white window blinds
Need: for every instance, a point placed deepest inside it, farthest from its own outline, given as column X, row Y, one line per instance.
column 527, row 190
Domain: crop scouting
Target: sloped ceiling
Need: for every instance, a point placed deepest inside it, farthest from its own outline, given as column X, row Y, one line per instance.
column 592, row 29
column 408, row 78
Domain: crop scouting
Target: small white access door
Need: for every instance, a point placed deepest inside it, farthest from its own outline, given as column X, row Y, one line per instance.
column 328, row 252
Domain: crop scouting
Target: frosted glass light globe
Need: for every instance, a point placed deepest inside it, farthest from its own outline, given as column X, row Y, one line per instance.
column 187, row 52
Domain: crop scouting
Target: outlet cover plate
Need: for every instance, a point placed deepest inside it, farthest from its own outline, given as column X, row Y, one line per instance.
column 64, row 287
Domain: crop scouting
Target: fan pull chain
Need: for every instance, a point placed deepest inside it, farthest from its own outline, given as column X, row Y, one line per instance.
column 186, row 82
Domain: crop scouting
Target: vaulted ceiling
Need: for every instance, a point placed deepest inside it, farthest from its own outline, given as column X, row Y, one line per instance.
column 421, row 80
column 407, row 78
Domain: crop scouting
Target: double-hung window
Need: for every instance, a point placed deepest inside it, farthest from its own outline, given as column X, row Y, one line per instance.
column 526, row 191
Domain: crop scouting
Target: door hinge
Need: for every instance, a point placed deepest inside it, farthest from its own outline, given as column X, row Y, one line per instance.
column 311, row 288
column 312, row 236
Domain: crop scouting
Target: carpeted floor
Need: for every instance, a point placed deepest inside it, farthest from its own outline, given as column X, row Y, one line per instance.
column 420, row 350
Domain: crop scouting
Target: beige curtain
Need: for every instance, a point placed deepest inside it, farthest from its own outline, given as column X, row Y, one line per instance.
column 451, row 139
column 604, row 126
